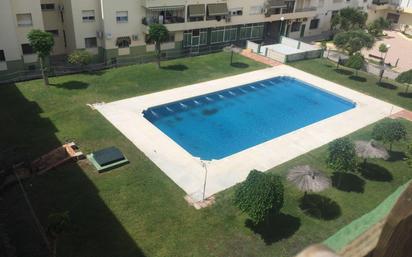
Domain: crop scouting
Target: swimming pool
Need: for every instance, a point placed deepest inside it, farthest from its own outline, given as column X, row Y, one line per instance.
column 219, row 124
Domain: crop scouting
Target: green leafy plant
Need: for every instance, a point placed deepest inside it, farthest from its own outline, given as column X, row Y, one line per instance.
column 80, row 57
column 349, row 19
column 356, row 62
column 342, row 155
column 389, row 131
column 158, row 34
column 42, row 43
column 58, row 223
column 376, row 27
column 260, row 195
column 405, row 78
column 353, row 41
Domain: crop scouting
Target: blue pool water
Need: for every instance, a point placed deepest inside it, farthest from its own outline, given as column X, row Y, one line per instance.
column 222, row 123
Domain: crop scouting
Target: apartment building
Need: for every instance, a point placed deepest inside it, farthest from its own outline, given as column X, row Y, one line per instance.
column 399, row 12
column 113, row 30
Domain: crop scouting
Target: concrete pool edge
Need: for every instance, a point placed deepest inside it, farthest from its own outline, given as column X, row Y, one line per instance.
column 188, row 172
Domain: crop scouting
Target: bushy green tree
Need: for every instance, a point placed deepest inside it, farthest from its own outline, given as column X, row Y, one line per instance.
column 356, row 62
column 389, row 131
column 342, row 155
column 260, row 195
column 58, row 223
column 80, row 57
column 353, row 41
column 42, row 43
column 349, row 19
column 405, row 78
column 376, row 27
column 158, row 34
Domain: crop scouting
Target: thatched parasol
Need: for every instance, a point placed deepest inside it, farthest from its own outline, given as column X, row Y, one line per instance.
column 370, row 149
column 308, row 179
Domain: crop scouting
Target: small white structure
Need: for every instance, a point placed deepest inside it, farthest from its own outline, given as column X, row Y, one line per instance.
column 288, row 50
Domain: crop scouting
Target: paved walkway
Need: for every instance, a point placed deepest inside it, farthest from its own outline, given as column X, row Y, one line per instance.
column 260, row 58
column 407, row 115
column 401, row 48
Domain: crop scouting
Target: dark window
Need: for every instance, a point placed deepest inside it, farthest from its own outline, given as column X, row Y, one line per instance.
column 90, row 42
column 47, row 7
column 314, row 24
column 295, row 26
column 393, row 17
column 27, row 49
column 55, row 32
column 2, row 56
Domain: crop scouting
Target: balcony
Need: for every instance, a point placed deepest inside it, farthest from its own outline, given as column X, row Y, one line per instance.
column 165, row 3
column 164, row 15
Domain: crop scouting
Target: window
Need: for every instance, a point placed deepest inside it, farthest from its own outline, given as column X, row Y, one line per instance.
column 245, row 32
column 24, row 20
column 27, row 49
column 2, row 56
column 257, row 31
column 47, row 7
column 230, row 34
column 295, row 26
column 216, row 36
column 251, row 31
column 90, row 42
column 393, row 17
column 256, row 10
column 88, row 15
column 55, row 32
column 123, row 42
column 314, row 24
column 122, row 17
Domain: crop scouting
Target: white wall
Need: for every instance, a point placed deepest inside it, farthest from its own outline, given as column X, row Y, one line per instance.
column 8, row 40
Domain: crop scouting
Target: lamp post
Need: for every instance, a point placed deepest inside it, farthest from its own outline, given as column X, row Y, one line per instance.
column 383, row 63
column 282, row 19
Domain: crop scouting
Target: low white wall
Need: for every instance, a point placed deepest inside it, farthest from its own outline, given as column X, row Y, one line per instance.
column 252, row 46
column 289, row 42
column 274, row 55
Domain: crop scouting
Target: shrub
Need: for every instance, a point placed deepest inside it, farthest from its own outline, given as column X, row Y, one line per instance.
column 342, row 155
column 405, row 78
column 389, row 131
column 355, row 62
column 260, row 195
column 80, row 57
column 353, row 41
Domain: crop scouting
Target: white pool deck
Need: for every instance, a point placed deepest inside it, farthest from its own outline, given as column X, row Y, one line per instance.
column 188, row 172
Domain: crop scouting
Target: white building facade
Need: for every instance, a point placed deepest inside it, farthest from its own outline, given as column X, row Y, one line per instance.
column 113, row 30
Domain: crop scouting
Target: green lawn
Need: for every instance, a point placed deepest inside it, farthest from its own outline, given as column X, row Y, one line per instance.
column 388, row 91
column 136, row 210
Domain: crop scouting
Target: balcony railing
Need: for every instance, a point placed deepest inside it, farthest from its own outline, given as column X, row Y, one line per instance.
column 306, row 9
column 164, row 15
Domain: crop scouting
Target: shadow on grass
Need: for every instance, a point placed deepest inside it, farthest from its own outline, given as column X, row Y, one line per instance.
column 72, row 85
column 344, row 72
column 386, row 85
column 320, row 207
column 358, row 78
column 240, row 65
column 375, row 172
column 348, row 182
column 176, row 67
column 395, row 156
column 276, row 228
column 407, row 95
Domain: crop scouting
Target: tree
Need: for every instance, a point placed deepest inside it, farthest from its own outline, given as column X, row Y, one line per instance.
column 349, row 19
column 383, row 49
column 58, row 223
column 80, row 57
column 353, row 41
column 42, row 43
column 405, row 78
column 355, row 62
column 342, row 156
column 389, row 131
column 260, row 195
column 158, row 34
column 376, row 27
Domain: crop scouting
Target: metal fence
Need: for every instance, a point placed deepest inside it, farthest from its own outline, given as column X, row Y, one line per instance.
column 60, row 69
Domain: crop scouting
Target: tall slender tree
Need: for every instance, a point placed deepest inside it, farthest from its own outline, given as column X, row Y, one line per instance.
column 42, row 43
column 158, row 34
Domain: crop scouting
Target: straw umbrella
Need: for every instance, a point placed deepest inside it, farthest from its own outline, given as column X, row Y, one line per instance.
column 308, row 179
column 370, row 149
column 232, row 49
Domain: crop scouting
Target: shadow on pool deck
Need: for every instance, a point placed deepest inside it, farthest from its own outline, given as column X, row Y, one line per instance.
column 95, row 229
